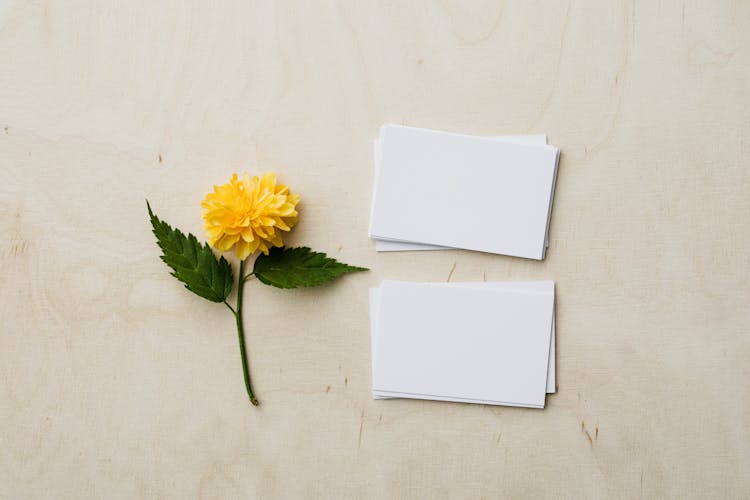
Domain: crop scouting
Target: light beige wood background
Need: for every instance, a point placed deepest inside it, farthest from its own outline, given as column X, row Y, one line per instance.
column 115, row 382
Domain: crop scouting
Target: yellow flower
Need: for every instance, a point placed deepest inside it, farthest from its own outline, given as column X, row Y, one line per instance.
column 249, row 213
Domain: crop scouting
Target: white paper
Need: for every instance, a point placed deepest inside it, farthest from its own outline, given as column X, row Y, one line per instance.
column 399, row 246
column 388, row 395
column 463, row 343
column 540, row 286
column 460, row 191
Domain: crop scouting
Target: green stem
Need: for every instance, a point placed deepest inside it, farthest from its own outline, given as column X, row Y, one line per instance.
column 241, row 334
column 230, row 308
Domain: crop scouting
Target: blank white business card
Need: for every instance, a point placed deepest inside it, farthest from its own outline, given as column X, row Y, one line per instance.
column 400, row 246
column 539, row 286
column 461, row 343
column 460, row 191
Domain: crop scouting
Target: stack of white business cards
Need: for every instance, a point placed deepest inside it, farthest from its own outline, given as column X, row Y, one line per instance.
column 489, row 343
column 438, row 189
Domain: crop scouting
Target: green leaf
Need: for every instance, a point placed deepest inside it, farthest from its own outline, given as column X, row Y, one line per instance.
column 192, row 263
column 298, row 267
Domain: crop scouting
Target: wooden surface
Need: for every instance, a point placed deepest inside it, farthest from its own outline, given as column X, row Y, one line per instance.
column 115, row 382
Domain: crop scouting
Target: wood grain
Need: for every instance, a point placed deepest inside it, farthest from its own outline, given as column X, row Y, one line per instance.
column 117, row 383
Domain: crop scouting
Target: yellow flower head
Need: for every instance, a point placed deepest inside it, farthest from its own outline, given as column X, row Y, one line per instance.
column 249, row 213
